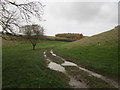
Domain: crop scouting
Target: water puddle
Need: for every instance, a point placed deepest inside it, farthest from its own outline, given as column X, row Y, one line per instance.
column 67, row 63
column 56, row 67
column 113, row 83
column 48, row 60
column 73, row 82
column 45, row 52
column 76, row 84
column 53, row 65
column 45, row 56
column 91, row 73
column 52, row 53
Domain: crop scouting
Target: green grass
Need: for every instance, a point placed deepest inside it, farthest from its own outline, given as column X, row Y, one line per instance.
column 91, row 81
column 102, row 58
column 25, row 68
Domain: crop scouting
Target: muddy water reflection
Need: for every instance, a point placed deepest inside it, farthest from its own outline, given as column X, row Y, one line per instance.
column 56, row 67
column 73, row 82
column 77, row 84
column 67, row 63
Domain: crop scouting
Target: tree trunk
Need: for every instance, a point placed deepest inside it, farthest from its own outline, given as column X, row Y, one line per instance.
column 34, row 47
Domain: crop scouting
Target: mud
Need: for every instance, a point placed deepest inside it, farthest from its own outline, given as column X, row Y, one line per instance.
column 74, row 83
column 91, row 73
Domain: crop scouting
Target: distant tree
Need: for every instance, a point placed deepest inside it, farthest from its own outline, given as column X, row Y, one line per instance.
column 34, row 33
column 70, row 35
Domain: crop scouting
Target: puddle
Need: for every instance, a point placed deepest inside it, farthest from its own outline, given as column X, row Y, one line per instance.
column 90, row 72
column 113, row 83
column 48, row 60
column 73, row 82
column 52, row 53
column 45, row 56
column 76, row 84
column 44, row 52
column 67, row 63
column 56, row 67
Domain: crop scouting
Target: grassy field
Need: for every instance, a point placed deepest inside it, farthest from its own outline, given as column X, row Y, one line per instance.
column 98, row 53
column 25, row 68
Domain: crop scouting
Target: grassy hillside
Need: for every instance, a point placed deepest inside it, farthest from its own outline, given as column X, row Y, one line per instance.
column 99, row 39
column 98, row 53
column 24, row 68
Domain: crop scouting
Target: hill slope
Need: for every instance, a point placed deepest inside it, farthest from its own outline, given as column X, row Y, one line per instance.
column 99, row 39
column 98, row 52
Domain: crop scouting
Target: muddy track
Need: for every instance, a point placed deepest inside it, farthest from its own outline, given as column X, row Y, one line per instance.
column 58, row 63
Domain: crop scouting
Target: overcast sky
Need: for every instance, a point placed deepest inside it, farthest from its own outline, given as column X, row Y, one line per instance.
column 88, row 18
column 76, row 16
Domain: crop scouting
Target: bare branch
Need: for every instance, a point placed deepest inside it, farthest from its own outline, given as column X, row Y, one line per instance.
column 33, row 33
column 11, row 13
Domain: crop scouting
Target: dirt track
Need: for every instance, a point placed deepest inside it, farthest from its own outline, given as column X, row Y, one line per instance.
column 73, row 71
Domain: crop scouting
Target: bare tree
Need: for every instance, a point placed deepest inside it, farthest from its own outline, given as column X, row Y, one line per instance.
column 12, row 12
column 34, row 33
column 8, row 21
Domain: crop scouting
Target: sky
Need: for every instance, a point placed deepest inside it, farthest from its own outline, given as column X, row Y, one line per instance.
column 78, row 16
column 88, row 18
